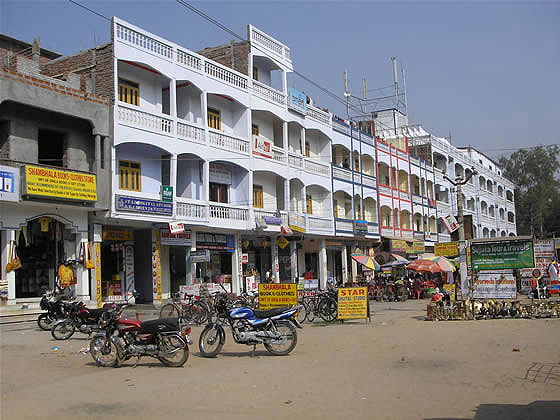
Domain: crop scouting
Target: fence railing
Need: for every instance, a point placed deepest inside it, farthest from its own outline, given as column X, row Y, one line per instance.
column 143, row 42
column 226, row 212
column 295, row 160
column 225, row 75
column 145, row 120
column 189, row 131
column 191, row 211
column 226, row 141
column 269, row 93
column 316, row 167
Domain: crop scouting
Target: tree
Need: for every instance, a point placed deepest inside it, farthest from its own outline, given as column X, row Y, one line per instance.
column 537, row 194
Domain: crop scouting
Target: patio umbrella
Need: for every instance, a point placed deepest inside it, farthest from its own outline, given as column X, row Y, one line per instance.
column 366, row 261
column 443, row 263
column 425, row 265
column 394, row 264
column 400, row 258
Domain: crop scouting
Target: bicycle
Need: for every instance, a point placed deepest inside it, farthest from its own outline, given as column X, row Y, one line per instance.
column 193, row 310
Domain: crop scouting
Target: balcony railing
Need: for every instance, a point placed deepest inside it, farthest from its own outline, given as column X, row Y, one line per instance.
column 369, row 180
column 382, row 146
column 278, row 154
column 387, row 231
column 407, row 234
column 318, row 115
column 224, row 141
column 344, row 225
column 260, row 213
column 385, row 190
column 295, row 160
column 225, row 75
column 340, row 126
column 403, row 195
column 270, row 44
column 143, row 42
column 144, row 120
column 269, row 93
column 189, row 131
column 315, row 167
column 342, row 173
column 191, row 210
column 227, row 212
column 189, row 60
column 373, row 228
column 320, row 224
column 419, row 235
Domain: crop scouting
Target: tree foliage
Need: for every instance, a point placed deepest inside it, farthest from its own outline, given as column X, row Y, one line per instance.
column 537, row 192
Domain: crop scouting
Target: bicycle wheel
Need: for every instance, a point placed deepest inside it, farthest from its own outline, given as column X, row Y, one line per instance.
column 328, row 309
column 169, row 310
column 301, row 313
column 198, row 312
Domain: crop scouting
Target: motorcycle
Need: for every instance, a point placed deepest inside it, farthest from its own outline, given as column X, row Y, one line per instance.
column 540, row 292
column 52, row 302
column 275, row 328
column 86, row 320
column 120, row 339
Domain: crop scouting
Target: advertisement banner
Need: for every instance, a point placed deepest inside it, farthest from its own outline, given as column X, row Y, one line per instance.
column 156, row 267
column 9, row 183
column 450, row 223
column 275, row 295
column 262, row 147
column 200, row 256
column 59, row 183
column 495, row 285
column 446, row 249
column 297, row 222
column 144, row 206
column 360, row 227
column 251, row 284
column 418, row 247
column 450, row 289
column 352, row 303
column 117, row 235
column 97, row 252
column 179, row 239
column 297, row 101
column 502, row 255
column 398, row 245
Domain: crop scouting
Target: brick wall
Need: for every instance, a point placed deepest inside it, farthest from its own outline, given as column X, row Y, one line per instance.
column 234, row 55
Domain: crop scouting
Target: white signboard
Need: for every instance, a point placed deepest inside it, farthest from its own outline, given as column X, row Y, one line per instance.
column 194, row 289
column 179, row 239
column 251, row 284
column 495, row 285
column 450, row 223
column 9, row 183
column 262, row 147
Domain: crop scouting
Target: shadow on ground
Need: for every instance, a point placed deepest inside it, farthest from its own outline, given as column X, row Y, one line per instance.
column 537, row 410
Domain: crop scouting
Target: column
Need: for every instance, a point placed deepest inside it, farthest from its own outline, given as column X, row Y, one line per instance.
column 82, row 274
column 173, row 179
column 354, row 271
column 303, row 200
column 5, row 238
column 204, row 113
column 206, row 179
column 192, row 279
column 344, row 254
column 98, row 152
column 322, row 264
column 294, row 261
column 173, row 98
column 285, row 140
column 250, row 201
column 274, row 263
column 95, row 280
column 284, row 82
column 303, row 141
column 287, row 195
column 237, row 267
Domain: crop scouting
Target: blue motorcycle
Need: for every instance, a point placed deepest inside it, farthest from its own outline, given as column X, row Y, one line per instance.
column 275, row 328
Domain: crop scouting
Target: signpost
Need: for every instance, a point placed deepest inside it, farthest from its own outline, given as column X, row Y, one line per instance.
column 353, row 303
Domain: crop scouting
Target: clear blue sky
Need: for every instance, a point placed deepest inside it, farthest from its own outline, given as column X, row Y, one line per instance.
column 486, row 72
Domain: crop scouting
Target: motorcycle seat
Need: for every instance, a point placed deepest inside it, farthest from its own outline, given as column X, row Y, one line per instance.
column 271, row 312
column 96, row 313
column 159, row 325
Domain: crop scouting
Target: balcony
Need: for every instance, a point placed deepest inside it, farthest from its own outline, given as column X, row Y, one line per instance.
column 403, row 195
column 278, row 154
column 387, row 231
column 191, row 210
column 229, row 142
column 143, row 42
column 382, row 146
column 230, row 216
column 342, row 173
column 318, row 115
column 269, row 44
column 315, row 224
column 419, row 235
column 373, row 228
column 260, row 214
column 383, row 189
column 315, row 167
column 369, row 181
column 344, row 225
column 191, row 132
column 268, row 93
column 444, row 237
column 295, row 160
column 225, row 75
column 149, row 121
column 407, row 234
column 340, row 127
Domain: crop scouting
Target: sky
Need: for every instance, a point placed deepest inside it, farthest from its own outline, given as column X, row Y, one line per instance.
column 484, row 73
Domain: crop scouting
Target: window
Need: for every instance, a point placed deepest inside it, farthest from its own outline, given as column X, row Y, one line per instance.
column 214, row 119
column 51, row 148
column 218, row 192
column 129, row 92
column 255, row 73
column 255, row 129
column 336, row 208
column 130, row 175
column 307, row 149
column 309, row 204
column 357, row 163
column 258, row 196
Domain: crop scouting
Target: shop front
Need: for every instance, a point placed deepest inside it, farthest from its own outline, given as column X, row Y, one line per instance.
column 117, row 263
column 221, row 258
column 175, row 254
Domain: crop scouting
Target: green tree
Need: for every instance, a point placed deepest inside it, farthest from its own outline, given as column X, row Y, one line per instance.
column 537, row 194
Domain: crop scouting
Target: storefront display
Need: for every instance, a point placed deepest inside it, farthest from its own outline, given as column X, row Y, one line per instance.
column 117, row 268
column 220, row 267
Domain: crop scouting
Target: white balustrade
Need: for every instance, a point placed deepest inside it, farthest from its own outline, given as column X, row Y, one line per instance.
column 270, row 44
column 402, row 154
column 419, row 235
column 373, row 228
column 342, row 173
column 382, row 146
column 385, row 190
column 387, row 231
column 228, row 76
column 278, row 154
column 315, row 167
column 189, row 60
column 369, row 181
column 143, row 42
column 315, row 223
column 444, row 237
column 403, row 195
column 224, row 141
column 345, row 225
column 318, row 115
column 340, row 126
column 189, row 131
column 407, row 234
column 144, row 120
column 227, row 212
column 269, row 93
column 295, row 160
column 191, row 210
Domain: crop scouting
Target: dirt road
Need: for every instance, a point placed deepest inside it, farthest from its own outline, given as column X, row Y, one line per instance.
column 396, row 367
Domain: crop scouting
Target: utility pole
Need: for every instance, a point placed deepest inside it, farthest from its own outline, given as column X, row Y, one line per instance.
column 458, row 183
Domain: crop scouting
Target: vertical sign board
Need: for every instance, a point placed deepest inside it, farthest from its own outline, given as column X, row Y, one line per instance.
column 352, row 303
column 97, row 248
column 297, row 101
column 544, row 256
column 129, row 269
column 276, row 295
column 156, row 267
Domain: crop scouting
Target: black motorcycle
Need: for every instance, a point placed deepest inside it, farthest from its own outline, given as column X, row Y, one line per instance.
column 53, row 303
column 86, row 320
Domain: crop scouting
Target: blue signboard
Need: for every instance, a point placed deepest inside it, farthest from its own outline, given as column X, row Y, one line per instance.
column 272, row 220
column 297, row 101
column 144, row 206
column 360, row 227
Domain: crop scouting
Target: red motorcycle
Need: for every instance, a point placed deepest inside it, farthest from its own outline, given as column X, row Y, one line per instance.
column 79, row 317
column 120, row 339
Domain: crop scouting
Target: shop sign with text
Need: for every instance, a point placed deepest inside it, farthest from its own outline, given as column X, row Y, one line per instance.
column 141, row 205
column 418, row 247
column 59, row 183
column 297, row 222
column 276, row 295
column 352, row 303
column 179, row 239
column 117, row 235
column 9, row 183
column 495, row 285
column 502, row 255
column 446, row 249
column 262, row 147
column 200, row 256
column 360, row 227
column 297, row 101
column 167, row 193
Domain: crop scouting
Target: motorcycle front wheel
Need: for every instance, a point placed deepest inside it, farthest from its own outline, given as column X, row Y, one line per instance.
column 63, row 330
column 45, row 322
column 173, row 350
column 286, row 343
column 328, row 309
column 211, row 341
column 103, row 351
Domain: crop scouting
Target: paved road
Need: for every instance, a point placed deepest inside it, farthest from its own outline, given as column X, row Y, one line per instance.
column 396, row 367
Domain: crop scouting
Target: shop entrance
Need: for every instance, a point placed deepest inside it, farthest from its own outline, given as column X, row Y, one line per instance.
column 177, row 267
column 117, row 264
column 40, row 248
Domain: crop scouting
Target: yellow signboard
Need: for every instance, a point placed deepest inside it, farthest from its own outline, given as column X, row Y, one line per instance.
column 418, row 247
column 97, row 251
column 276, row 295
column 450, row 289
column 446, row 249
column 352, row 303
column 282, row 242
column 117, row 235
column 59, row 183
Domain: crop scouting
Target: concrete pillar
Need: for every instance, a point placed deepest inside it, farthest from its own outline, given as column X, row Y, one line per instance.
column 344, row 254
column 237, row 267
column 287, row 195
column 206, row 179
column 303, row 141
column 98, row 152
column 354, row 271
column 250, row 201
column 82, row 274
column 284, row 82
column 204, row 113
column 173, row 98
column 173, row 179
column 192, row 279
column 294, row 261
column 322, row 264
column 274, row 264
column 95, row 280
column 285, row 140
column 5, row 238
column 302, row 200
column 301, row 261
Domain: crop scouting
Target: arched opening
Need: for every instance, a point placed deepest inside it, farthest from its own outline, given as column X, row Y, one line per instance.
column 368, row 165
column 440, row 161
column 511, row 217
column 415, row 184
column 502, row 214
column 358, row 206
column 396, row 214
column 482, row 182
column 190, row 179
column 386, row 217
column 317, row 201
column 470, row 204
column 232, row 188
column 491, row 212
column 384, row 177
column 226, row 115
column 484, row 208
column 485, row 233
column 268, row 191
column 266, row 126
column 342, row 205
column 417, row 222
column 493, row 233
column 503, row 234
column 405, row 219
column 430, row 186
column 433, row 224
column 296, row 189
column 341, row 156
column 500, row 191
column 356, row 157
column 442, row 193
column 468, row 174
column 509, row 195
column 459, row 171
column 370, row 210
column 489, row 186
column 403, row 180
column 294, row 138
column 395, row 181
